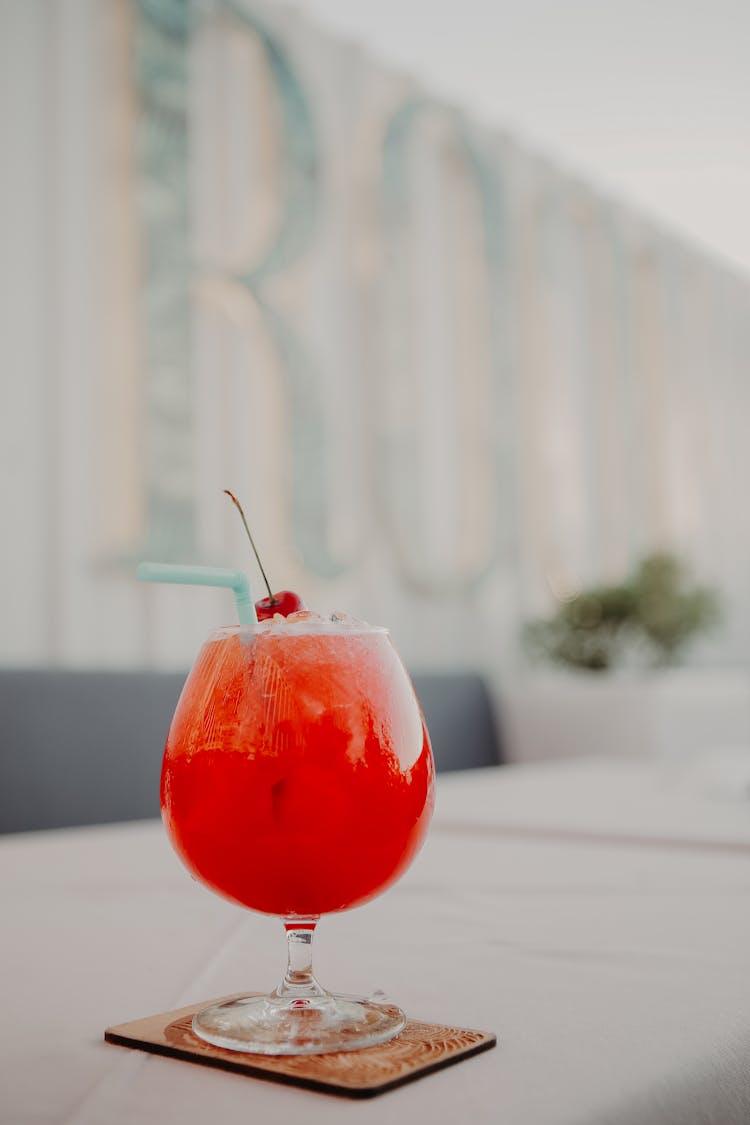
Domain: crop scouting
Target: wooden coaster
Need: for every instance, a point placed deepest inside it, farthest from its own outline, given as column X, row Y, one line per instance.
column 420, row 1049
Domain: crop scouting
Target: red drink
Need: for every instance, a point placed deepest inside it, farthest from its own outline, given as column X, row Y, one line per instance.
column 298, row 775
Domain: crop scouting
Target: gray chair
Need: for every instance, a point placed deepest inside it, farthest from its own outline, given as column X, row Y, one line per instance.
column 82, row 747
column 460, row 718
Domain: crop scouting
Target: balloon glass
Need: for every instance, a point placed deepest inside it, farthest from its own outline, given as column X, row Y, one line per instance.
column 298, row 781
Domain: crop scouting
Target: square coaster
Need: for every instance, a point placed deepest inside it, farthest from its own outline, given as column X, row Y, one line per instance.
column 420, row 1049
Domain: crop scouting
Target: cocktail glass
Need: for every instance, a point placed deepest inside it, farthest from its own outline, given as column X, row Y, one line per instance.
column 298, row 781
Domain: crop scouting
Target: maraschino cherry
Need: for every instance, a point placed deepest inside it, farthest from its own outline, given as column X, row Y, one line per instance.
column 284, row 602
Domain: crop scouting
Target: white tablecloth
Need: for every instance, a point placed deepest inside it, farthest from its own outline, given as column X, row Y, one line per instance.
column 613, row 965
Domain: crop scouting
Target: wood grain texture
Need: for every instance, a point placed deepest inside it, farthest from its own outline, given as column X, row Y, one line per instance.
column 420, row 1049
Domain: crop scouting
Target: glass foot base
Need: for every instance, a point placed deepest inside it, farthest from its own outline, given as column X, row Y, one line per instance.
column 317, row 1025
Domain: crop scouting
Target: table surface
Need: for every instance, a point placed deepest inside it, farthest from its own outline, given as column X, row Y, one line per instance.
column 595, row 915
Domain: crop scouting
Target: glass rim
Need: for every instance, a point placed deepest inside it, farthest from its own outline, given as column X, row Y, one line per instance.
column 325, row 627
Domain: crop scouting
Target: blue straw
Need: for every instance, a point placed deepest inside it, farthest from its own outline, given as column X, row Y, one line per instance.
column 234, row 580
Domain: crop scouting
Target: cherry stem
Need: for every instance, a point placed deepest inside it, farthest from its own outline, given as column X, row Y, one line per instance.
column 238, row 506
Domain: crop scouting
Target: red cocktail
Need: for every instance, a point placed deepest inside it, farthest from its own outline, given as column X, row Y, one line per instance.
column 297, row 781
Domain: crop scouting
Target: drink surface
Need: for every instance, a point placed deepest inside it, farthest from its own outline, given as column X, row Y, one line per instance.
column 297, row 776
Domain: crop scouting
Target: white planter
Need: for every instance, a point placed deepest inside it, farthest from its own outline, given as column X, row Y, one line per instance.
column 658, row 713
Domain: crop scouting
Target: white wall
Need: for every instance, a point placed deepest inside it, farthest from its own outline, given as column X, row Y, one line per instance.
column 648, row 98
column 620, row 375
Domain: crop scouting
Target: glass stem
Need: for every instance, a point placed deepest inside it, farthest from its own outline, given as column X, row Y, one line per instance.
column 299, row 981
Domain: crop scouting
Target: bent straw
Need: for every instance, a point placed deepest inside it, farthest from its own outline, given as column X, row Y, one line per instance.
column 234, row 580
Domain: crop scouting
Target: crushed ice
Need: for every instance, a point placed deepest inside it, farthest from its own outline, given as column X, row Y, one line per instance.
column 305, row 621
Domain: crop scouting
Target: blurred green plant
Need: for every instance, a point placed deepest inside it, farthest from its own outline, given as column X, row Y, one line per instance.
column 657, row 612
